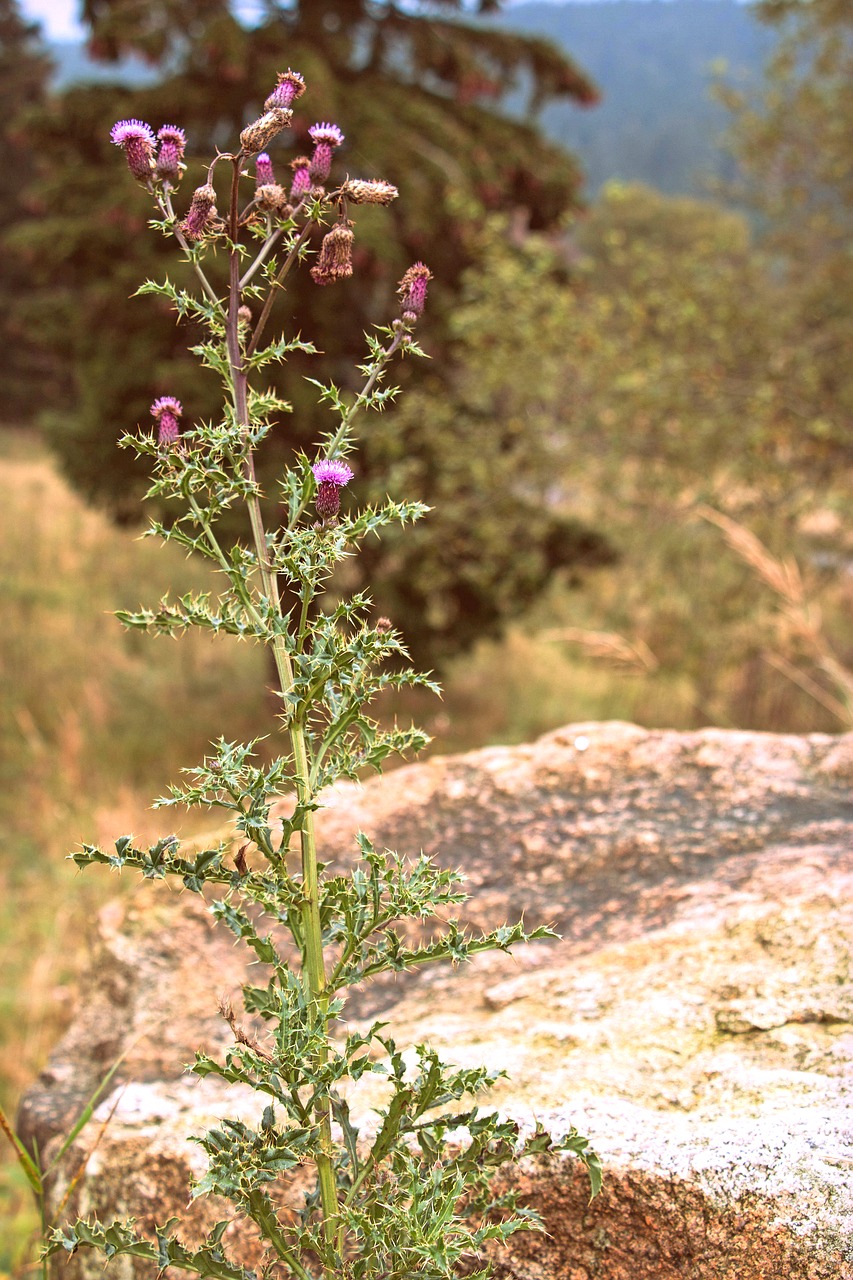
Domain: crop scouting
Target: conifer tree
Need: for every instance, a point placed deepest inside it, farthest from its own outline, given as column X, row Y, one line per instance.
column 419, row 88
column 24, row 71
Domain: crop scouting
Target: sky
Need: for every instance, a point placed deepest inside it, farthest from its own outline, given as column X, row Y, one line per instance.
column 59, row 17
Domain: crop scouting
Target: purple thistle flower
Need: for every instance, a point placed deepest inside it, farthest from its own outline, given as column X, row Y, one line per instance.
column 332, row 471
column 136, row 138
column 173, row 142
column 412, row 291
column 290, row 87
column 264, row 175
column 326, row 137
column 325, row 132
column 331, row 475
column 165, row 413
column 301, row 185
column 123, row 131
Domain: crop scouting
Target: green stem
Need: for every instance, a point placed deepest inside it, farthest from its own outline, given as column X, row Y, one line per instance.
column 340, row 727
column 365, row 1170
column 313, row 958
column 267, row 246
column 303, row 617
column 359, row 402
column 234, row 578
column 277, row 283
column 166, row 208
column 378, row 922
column 269, row 1225
column 263, row 843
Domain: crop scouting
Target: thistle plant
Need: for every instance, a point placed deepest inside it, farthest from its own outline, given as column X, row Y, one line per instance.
column 411, row 1194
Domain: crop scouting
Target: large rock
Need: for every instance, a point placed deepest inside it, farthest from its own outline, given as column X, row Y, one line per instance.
column 696, row 1020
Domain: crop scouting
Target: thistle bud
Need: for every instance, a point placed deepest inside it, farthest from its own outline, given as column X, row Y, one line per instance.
column 165, row 413
column 331, row 476
column 201, row 212
column 363, row 192
column 290, row 87
column 170, row 156
column 244, row 314
column 301, row 185
column 412, row 291
column 137, row 141
column 264, row 172
column 326, row 137
column 260, row 132
column 334, row 261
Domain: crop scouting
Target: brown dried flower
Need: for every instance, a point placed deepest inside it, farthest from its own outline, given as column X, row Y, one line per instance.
column 271, row 197
column 202, row 212
column 261, row 131
column 334, row 261
column 363, row 191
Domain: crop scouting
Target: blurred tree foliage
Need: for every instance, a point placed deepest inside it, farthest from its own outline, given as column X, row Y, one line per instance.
column 650, row 350
column 415, row 90
column 27, row 378
column 794, row 142
column 652, row 357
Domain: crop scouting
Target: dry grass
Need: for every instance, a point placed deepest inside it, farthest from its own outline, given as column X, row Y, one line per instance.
column 606, row 646
column 800, row 623
column 88, row 715
column 87, row 737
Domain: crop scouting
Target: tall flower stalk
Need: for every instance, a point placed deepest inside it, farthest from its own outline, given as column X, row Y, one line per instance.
column 411, row 1196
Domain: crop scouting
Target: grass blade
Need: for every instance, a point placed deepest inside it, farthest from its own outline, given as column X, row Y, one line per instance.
column 31, row 1170
column 85, row 1115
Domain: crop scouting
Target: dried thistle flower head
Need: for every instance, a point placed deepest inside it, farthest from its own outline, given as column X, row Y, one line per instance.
column 136, row 138
column 290, row 87
column 271, row 198
column 170, row 155
column 166, row 411
column 260, row 132
column 334, row 261
column 363, row 191
column 412, row 291
column 201, row 213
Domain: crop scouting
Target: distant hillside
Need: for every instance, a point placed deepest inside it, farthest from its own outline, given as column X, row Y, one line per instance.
column 654, row 62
